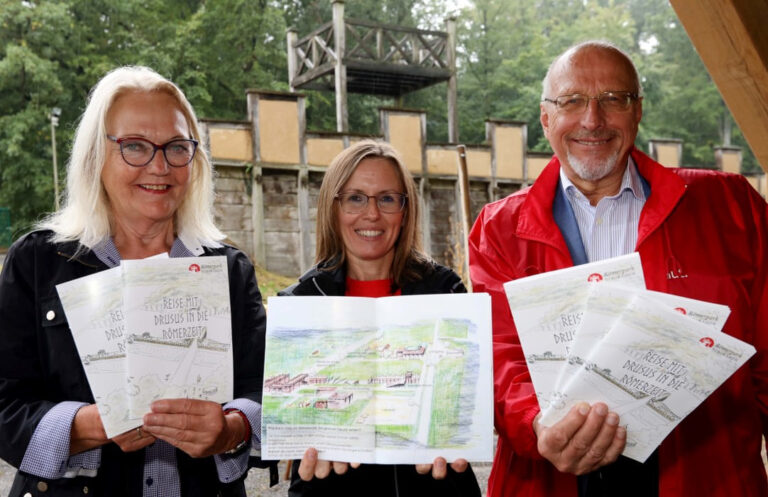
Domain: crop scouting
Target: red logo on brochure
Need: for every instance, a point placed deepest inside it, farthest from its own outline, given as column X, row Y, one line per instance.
column 194, row 268
column 681, row 310
column 595, row 278
column 708, row 342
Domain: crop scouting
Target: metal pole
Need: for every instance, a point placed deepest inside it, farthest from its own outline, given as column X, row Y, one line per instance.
column 54, row 115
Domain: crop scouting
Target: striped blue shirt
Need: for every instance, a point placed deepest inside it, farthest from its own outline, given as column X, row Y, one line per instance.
column 608, row 229
column 47, row 454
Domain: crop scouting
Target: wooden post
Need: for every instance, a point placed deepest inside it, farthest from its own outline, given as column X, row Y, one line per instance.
column 305, row 223
column 340, row 70
column 291, row 38
column 453, row 120
column 257, row 196
column 466, row 212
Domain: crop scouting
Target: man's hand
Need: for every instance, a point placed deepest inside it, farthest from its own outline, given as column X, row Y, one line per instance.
column 310, row 466
column 198, row 427
column 439, row 467
column 584, row 440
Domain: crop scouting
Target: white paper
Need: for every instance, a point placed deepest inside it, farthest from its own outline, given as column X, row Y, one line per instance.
column 653, row 368
column 603, row 307
column 548, row 307
column 390, row 380
column 93, row 306
column 178, row 330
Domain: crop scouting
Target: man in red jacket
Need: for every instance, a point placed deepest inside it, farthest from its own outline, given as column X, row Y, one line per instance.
column 700, row 234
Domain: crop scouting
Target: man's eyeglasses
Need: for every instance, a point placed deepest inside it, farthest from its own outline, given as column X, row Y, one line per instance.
column 609, row 101
column 355, row 203
column 139, row 152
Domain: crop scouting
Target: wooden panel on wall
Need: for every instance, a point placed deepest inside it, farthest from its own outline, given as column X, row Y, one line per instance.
column 321, row 151
column 442, row 160
column 279, row 131
column 536, row 164
column 231, row 143
column 479, row 161
column 668, row 154
column 509, row 147
column 405, row 136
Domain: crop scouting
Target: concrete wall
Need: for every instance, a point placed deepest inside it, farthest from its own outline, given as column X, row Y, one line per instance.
column 269, row 170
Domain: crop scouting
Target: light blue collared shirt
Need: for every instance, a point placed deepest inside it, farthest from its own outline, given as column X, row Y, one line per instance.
column 608, row 229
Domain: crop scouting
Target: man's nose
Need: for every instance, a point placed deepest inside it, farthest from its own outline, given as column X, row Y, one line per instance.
column 593, row 116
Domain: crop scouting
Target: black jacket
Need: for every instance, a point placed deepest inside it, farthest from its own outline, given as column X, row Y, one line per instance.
column 374, row 480
column 40, row 367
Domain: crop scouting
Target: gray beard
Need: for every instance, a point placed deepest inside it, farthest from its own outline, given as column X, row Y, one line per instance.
column 593, row 170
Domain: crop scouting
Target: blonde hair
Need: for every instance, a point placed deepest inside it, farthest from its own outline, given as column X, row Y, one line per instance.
column 409, row 254
column 85, row 216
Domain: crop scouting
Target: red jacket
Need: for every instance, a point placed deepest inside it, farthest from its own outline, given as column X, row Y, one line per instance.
column 702, row 234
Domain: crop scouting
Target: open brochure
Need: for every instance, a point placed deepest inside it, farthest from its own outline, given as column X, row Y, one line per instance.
column 149, row 329
column 396, row 380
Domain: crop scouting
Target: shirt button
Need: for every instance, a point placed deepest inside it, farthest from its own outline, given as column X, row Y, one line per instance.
column 149, row 482
column 50, row 315
column 41, row 485
column 27, row 494
column 85, row 490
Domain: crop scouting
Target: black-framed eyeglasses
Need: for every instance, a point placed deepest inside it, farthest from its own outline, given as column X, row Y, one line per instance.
column 138, row 152
column 356, row 202
column 609, row 101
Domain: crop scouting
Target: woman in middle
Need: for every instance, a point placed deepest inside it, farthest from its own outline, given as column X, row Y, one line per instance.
column 369, row 245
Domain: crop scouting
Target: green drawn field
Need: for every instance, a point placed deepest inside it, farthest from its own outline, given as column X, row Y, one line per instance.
column 445, row 401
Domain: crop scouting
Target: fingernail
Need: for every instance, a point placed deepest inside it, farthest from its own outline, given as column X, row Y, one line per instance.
column 601, row 409
column 612, row 419
column 621, row 432
column 583, row 409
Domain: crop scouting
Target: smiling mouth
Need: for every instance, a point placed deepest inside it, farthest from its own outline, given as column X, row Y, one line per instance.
column 369, row 233
column 155, row 188
column 592, row 143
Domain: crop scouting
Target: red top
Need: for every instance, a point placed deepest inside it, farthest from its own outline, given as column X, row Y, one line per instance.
column 372, row 288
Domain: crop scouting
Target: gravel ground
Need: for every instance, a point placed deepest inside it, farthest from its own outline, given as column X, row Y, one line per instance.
column 257, row 483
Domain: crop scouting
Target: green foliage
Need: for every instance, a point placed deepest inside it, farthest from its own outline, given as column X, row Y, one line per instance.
column 53, row 52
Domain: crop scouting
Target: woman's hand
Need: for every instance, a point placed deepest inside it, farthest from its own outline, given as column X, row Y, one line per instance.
column 134, row 439
column 88, row 433
column 439, row 467
column 198, row 427
column 312, row 467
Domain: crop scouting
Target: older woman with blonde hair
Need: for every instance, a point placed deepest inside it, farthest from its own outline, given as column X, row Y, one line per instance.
column 138, row 185
column 369, row 245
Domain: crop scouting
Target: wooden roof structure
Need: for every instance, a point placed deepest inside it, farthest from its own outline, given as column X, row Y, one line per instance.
column 732, row 41
column 358, row 56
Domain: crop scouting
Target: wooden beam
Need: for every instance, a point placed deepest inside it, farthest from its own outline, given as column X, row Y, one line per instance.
column 732, row 41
